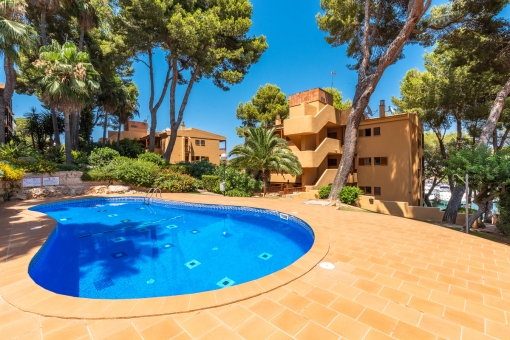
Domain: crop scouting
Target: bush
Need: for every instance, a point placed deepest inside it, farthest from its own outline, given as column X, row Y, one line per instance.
column 127, row 147
column 102, row 156
column 56, row 155
column 14, row 150
column 80, row 157
column 65, row 167
column 209, row 182
column 182, row 168
column 34, row 165
column 503, row 223
column 324, row 191
column 152, row 157
column 137, row 172
column 198, row 169
column 237, row 180
column 169, row 180
column 10, row 173
column 349, row 195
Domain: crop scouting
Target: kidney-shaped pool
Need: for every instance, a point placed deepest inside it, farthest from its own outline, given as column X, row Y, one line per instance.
column 121, row 248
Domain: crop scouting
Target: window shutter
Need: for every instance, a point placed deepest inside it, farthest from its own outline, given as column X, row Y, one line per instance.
column 361, row 161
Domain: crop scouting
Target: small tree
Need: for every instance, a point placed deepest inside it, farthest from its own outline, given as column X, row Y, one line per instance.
column 263, row 151
column 262, row 109
column 338, row 99
column 489, row 173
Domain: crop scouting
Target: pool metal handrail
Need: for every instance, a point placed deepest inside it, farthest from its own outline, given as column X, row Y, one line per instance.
column 150, row 193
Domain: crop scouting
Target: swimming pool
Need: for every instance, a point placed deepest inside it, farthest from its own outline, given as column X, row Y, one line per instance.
column 120, row 248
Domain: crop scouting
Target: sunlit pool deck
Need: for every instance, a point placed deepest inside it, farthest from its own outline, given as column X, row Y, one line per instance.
column 394, row 278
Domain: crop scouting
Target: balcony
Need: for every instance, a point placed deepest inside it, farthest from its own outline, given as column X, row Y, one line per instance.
column 311, row 124
column 314, row 158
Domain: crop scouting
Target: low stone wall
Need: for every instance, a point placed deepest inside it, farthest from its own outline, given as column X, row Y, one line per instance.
column 403, row 209
column 69, row 184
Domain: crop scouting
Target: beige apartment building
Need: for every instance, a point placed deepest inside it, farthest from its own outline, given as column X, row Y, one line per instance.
column 389, row 151
column 191, row 144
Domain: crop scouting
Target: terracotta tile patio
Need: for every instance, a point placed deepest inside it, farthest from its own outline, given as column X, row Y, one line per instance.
column 394, row 278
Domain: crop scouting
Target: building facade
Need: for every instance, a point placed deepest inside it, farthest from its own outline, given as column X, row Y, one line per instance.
column 191, row 145
column 389, row 151
column 9, row 123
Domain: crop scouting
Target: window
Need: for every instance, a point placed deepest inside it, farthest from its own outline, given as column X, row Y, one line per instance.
column 332, row 162
column 332, row 135
column 197, row 142
column 377, row 131
column 203, row 158
column 202, row 142
column 365, row 161
column 380, row 160
column 366, row 190
column 365, row 132
column 377, row 191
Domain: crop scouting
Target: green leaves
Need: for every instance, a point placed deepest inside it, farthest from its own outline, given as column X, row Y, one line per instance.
column 263, row 108
column 264, row 151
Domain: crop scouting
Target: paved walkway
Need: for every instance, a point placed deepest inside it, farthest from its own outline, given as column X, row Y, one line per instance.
column 394, row 278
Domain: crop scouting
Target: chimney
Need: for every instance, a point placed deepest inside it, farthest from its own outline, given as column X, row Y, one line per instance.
column 183, row 127
column 278, row 120
column 382, row 109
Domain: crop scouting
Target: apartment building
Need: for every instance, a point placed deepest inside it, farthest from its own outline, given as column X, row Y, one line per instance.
column 191, row 145
column 389, row 152
column 9, row 123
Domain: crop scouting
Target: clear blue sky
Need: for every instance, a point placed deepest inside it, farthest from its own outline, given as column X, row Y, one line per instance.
column 298, row 59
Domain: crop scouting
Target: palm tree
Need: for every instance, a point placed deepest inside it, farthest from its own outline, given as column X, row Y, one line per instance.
column 263, row 151
column 14, row 35
column 69, row 81
column 48, row 6
column 45, row 6
column 113, row 94
column 86, row 16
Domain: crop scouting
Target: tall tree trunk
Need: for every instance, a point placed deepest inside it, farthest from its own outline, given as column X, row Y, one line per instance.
column 427, row 195
column 477, row 214
column 459, row 133
column 367, row 83
column 487, row 132
column 44, row 39
column 118, row 134
column 75, row 129
column 82, row 36
column 67, row 137
column 495, row 140
column 175, row 123
column 503, row 139
column 494, row 114
column 489, row 212
column 153, row 109
column 54, row 121
column 6, row 98
column 450, row 214
column 105, row 125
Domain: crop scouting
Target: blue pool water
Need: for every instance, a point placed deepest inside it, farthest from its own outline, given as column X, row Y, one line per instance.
column 118, row 248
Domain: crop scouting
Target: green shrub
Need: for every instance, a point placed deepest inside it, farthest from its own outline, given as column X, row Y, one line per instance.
column 198, row 169
column 102, row 156
column 209, row 182
column 169, row 180
column 183, row 168
column 65, row 167
column 503, row 223
column 237, row 180
column 80, row 157
column 152, row 157
column 35, row 165
column 137, row 172
column 13, row 150
column 9, row 172
column 324, row 191
column 56, row 155
column 349, row 195
column 127, row 147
